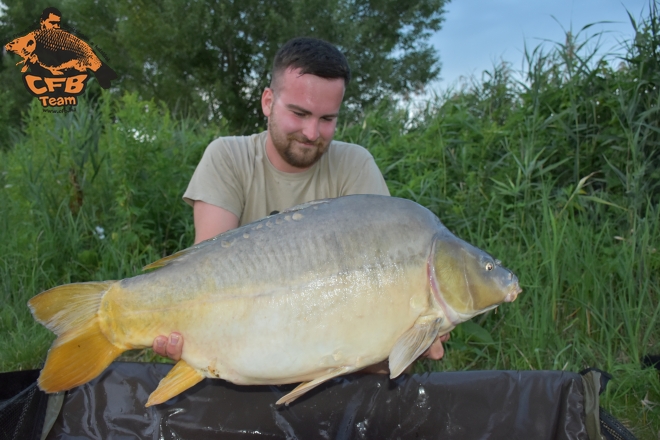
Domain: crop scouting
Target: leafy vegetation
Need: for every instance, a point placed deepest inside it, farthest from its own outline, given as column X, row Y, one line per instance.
column 555, row 174
column 212, row 59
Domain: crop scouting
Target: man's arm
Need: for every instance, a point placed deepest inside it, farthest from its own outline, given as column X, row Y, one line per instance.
column 211, row 220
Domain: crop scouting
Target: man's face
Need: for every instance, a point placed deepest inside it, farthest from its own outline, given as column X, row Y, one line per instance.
column 302, row 116
column 53, row 22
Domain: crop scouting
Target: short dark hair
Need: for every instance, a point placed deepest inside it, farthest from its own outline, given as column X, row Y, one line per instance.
column 311, row 55
column 46, row 13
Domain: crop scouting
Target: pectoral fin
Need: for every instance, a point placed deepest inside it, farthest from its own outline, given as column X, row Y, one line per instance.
column 413, row 343
column 179, row 379
column 306, row 386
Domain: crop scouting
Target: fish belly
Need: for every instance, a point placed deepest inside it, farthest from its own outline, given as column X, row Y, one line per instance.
column 289, row 333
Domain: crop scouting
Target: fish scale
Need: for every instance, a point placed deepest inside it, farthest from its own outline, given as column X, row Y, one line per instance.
column 56, row 39
column 306, row 295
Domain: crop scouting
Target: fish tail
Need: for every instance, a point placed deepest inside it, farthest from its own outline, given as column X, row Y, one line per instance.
column 81, row 351
column 104, row 74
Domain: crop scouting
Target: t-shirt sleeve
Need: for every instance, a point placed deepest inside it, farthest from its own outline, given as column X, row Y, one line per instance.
column 368, row 180
column 217, row 178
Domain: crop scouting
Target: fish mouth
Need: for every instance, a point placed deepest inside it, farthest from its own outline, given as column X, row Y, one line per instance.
column 511, row 296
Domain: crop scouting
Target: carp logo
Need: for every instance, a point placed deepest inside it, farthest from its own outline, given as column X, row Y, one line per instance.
column 58, row 62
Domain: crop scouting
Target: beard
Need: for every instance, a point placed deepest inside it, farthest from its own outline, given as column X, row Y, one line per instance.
column 296, row 155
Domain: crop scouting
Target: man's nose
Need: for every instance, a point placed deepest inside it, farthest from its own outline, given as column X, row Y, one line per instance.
column 311, row 129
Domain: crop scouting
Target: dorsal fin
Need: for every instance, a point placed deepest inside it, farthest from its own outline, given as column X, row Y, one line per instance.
column 165, row 261
column 305, row 205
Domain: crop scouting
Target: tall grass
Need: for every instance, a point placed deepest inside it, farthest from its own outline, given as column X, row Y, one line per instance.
column 92, row 195
column 555, row 174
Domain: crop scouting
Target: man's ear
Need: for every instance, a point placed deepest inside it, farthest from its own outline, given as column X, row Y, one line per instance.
column 267, row 98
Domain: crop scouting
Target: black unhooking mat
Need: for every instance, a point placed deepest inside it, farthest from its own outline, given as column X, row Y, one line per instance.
column 453, row 405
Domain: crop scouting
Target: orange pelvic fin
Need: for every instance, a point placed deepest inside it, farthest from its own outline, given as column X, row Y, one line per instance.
column 81, row 351
column 306, row 386
column 179, row 379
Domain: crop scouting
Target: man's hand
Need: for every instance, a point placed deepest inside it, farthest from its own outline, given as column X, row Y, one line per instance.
column 169, row 347
column 436, row 351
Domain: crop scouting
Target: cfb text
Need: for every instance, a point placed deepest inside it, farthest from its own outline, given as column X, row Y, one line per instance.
column 59, row 91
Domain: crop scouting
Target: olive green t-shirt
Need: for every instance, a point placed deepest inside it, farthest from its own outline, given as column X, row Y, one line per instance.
column 235, row 174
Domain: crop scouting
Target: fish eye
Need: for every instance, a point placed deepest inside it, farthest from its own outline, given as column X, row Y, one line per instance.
column 489, row 266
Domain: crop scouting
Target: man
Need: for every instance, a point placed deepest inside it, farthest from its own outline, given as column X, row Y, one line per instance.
column 50, row 18
column 243, row 179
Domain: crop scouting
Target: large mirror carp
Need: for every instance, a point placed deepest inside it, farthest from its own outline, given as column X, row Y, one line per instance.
column 321, row 290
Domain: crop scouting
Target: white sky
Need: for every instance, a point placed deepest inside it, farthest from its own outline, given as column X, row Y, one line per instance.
column 478, row 33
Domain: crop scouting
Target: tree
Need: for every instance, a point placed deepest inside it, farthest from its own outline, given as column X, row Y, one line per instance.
column 211, row 58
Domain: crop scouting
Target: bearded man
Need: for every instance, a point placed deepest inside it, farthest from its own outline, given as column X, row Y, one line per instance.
column 245, row 178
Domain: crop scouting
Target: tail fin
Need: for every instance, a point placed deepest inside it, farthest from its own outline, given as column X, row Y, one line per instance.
column 81, row 351
column 104, row 74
